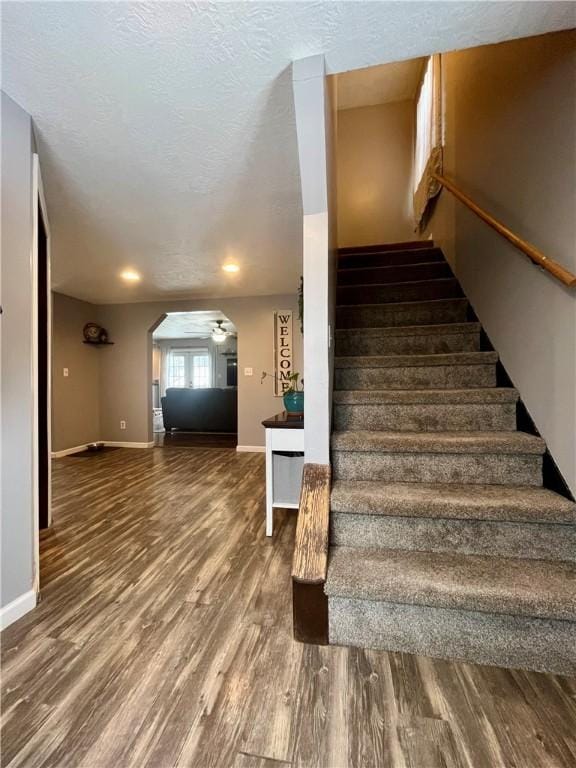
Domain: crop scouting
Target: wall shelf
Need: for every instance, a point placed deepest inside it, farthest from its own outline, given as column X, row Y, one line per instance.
column 98, row 343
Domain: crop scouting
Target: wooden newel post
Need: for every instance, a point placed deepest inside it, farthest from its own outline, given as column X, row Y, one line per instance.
column 310, row 562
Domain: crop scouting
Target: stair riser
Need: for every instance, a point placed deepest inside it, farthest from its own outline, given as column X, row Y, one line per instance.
column 431, row 271
column 426, row 418
column 538, row 541
column 353, row 343
column 481, row 638
column 402, row 246
column 489, row 469
column 386, row 294
column 377, row 316
column 417, row 377
column 390, row 258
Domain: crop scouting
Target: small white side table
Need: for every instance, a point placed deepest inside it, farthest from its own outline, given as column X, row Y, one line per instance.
column 284, row 464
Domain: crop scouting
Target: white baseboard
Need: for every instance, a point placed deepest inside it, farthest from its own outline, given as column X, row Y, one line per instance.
column 121, row 444
column 251, row 448
column 17, row 608
column 112, row 443
column 68, row 451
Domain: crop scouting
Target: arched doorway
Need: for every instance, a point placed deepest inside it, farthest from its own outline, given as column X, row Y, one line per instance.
column 193, row 380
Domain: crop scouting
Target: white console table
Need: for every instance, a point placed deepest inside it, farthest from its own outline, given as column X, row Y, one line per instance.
column 284, row 464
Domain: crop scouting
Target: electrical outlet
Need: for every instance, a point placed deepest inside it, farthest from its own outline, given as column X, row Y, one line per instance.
column 122, row 424
column 65, row 372
column 248, row 372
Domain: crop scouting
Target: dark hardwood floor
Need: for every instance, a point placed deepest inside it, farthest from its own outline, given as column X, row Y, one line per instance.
column 181, row 439
column 163, row 639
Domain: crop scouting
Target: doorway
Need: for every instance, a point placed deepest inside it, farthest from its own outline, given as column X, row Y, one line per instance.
column 194, row 380
column 41, row 373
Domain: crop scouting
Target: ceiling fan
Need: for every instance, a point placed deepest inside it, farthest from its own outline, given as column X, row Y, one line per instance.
column 220, row 334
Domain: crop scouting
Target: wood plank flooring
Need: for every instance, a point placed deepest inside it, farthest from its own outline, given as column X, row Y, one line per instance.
column 163, row 639
column 183, row 439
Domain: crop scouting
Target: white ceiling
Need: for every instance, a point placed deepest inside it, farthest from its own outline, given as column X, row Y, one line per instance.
column 191, row 325
column 166, row 130
column 379, row 85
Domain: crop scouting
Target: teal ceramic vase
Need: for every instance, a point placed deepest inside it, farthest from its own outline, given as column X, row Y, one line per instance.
column 294, row 403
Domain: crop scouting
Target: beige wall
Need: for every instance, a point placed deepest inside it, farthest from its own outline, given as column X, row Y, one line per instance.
column 75, row 398
column 125, row 370
column 375, row 152
column 511, row 144
column 17, row 524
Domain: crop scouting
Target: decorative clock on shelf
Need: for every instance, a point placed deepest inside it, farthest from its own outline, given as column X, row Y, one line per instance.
column 95, row 334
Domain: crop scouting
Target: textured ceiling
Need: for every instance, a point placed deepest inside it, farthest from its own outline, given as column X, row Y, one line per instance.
column 379, row 85
column 191, row 325
column 166, row 130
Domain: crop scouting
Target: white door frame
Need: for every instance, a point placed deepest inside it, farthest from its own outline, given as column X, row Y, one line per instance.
column 39, row 202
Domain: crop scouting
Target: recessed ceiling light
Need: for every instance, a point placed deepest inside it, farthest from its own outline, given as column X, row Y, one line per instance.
column 130, row 275
column 231, row 268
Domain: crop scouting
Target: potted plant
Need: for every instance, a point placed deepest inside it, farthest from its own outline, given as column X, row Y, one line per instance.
column 293, row 396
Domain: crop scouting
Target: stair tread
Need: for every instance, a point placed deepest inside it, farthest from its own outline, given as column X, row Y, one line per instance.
column 393, row 255
column 424, row 396
column 394, row 292
column 404, row 245
column 366, row 274
column 438, row 442
column 393, row 306
column 392, row 266
column 452, row 501
column 512, row 586
column 422, row 312
column 415, row 360
column 412, row 330
column 411, row 283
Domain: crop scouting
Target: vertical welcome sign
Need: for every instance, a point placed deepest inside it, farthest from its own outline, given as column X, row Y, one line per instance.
column 282, row 350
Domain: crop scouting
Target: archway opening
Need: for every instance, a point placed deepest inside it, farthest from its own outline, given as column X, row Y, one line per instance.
column 194, row 380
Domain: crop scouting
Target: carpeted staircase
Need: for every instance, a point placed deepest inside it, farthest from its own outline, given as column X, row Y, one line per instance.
column 443, row 540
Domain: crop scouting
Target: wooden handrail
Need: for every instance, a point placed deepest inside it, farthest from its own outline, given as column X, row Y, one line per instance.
column 557, row 270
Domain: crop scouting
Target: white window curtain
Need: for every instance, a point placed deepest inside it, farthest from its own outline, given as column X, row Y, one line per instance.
column 164, row 354
column 428, row 146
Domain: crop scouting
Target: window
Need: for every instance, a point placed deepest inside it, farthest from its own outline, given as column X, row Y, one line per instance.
column 189, row 368
column 428, row 145
column 424, row 125
column 200, row 371
column 177, row 370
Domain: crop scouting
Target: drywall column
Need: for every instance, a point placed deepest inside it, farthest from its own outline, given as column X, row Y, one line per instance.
column 17, row 522
column 313, row 107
